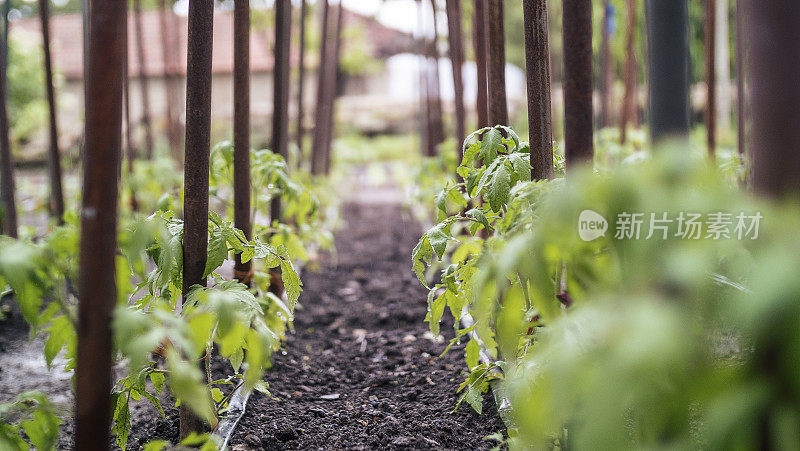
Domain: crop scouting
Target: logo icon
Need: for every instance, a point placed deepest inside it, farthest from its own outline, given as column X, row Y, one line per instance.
column 591, row 225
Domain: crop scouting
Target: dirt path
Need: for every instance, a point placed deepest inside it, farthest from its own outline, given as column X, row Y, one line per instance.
column 361, row 371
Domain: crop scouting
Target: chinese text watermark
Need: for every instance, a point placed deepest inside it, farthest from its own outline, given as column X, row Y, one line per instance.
column 662, row 226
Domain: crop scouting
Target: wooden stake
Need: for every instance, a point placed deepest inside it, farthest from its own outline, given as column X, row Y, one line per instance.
column 578, row 130
column 97, row 291
column 301, row 79
column 773, row 68
column 54, row 160
column 317, row 148
column 606, row 67
column 7, row 186
column 456, row 40
column 198, row 144
column 241, row 130
column 537, row 64
column 479, row 47
column 498, row 106
column 668, row 71
column 168, row 54
column 144, row 82
column 711, row 77
column 280, row 111
column 629, row 104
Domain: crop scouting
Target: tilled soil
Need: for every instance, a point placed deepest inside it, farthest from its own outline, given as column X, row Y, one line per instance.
column 362, row 371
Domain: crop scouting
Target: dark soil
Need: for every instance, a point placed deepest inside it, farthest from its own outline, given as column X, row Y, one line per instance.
column 362, row 371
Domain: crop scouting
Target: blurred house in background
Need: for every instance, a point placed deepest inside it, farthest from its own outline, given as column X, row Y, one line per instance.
column 364, row 95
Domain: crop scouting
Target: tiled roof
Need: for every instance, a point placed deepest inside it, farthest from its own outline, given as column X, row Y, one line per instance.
column 67, row 42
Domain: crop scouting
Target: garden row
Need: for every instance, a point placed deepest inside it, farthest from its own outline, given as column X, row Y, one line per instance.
column 153, row 292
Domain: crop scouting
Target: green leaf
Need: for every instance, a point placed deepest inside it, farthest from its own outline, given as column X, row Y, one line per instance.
column 472, row 353
column 186, row 383
column 474, row 398
column 422, row 254
column 438, row 239
column 478, row 215
column 156, row 445
column 291, row 282
column 522, row 168
column 217, row 395
column 491, row 146
column 441, row 201
column 60, row 334
column 436, row 310
column 122, row 421
column 217, row 251
column 157, row 379
column 42, row 429
column 499, row 188
column 262, row 387
column 236, row 359
column 155, row 402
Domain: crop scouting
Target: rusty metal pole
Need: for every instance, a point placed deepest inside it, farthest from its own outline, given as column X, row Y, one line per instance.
column 241, row 131
column 130, row 150
column 437, row 113
column 317, row 152
column 578, row 130
column 773, row 67
column 280, row 97
column 130, row 146
column 7, row 186
column 426, row 141
column 97, row 291
column 424, row 102
column 333, row 80
column 479, row 48
column 606, row 66
column 498, row 106
column 198, row 144
column 54, row 160
column 301, row 79
column 668, row 69
column 711, row 77
column 141, row 56
column 456, row 40
column 740, row 79
column 537, row 65
column 171, row 99
column 629, row 98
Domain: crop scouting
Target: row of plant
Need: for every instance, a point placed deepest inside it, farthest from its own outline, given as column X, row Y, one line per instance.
column 660, row 338
column 164, row 341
